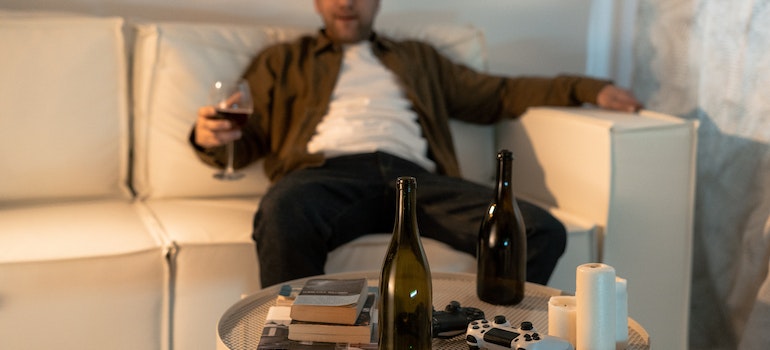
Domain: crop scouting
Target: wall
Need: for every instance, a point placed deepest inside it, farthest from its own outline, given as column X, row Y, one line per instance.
column 543, row 37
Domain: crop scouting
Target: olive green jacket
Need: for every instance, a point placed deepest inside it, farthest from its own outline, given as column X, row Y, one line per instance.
column 292, row 84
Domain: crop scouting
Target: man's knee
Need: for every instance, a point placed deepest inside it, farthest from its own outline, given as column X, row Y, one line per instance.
column 556, row 235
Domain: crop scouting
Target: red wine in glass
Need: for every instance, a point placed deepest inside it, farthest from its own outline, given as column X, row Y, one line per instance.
column 237, row 117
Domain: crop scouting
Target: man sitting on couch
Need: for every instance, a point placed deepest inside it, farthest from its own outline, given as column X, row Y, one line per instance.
column 339, row 115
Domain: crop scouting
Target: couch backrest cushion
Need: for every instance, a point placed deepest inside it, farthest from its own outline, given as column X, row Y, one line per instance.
column 64, row 107
column 173, row 65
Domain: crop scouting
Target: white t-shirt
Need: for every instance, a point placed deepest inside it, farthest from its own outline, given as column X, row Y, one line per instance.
column 368, row 112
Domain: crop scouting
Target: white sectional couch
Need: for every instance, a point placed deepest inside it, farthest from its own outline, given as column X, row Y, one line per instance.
column 113, row 235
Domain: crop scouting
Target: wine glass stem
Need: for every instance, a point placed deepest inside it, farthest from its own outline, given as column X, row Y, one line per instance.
column 230, row 155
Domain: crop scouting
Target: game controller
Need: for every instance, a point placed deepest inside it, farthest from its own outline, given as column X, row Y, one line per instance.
column 454, row 319
column 499, row 334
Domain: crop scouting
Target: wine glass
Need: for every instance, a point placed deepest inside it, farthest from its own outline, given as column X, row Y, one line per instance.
column 232, row 101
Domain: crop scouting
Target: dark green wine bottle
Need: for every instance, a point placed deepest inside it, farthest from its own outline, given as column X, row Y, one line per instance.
column 406, row 294
column 502, row 244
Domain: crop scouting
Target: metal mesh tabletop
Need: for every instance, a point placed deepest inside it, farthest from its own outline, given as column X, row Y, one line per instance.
column 240, row 327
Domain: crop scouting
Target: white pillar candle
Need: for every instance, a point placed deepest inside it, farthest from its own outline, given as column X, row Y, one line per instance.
column 595, row 295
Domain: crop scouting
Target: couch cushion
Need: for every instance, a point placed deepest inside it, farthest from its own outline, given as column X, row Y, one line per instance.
column 63, row 92
column 175, row 63
column 205, row 221
column 75, row 230
column 108, row 302
column 80, row 275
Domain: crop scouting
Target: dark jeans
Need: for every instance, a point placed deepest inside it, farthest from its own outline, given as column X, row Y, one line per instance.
column 310, row 212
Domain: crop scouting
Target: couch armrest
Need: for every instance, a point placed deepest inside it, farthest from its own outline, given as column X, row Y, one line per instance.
column 568, row 159
column 561, row 161
column 634, row 176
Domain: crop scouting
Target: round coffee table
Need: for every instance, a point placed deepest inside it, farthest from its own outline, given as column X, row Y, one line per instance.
column 240, row 327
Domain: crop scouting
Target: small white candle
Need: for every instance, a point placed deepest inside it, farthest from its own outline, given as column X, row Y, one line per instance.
column 562, row 311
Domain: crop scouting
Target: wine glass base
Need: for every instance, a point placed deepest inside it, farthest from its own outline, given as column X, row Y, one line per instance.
column 228, row 176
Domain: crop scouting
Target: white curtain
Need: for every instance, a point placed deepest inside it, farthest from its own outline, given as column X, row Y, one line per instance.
column 710, row 60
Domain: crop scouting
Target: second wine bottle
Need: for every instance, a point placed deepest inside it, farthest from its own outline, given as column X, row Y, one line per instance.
column 501, row 252
column 406, row 299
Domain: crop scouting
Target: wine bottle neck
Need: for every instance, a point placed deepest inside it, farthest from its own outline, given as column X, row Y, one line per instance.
column 504, row 190
column 406, row 210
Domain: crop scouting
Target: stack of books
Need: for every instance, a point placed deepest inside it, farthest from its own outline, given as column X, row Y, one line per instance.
column 323, row 311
